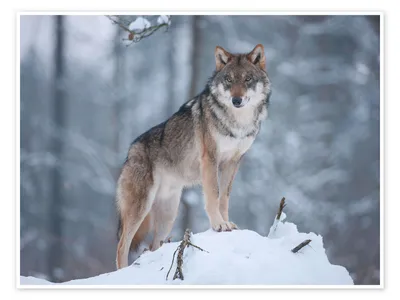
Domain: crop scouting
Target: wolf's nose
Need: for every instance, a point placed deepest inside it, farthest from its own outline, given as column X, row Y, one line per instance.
column 236, row 101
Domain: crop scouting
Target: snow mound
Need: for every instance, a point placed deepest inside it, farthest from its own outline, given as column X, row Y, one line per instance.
column 240, row 257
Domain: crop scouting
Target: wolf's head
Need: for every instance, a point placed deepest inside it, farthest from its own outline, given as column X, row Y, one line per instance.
column 240, row 80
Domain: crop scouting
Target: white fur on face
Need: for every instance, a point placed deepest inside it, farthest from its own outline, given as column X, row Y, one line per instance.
column 251, row 100
column 252, row 97
column 256, row 96
column 223, row 94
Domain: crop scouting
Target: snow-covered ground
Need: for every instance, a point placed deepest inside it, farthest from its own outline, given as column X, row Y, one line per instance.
column 240, row 257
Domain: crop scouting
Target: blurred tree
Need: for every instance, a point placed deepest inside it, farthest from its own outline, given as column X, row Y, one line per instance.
column 194, row 75
column 195, row 55
column 119, row 93
column 170, row 103
column 55, row 226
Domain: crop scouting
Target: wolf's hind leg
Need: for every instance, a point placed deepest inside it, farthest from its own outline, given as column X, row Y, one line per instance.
column 142, row 232
column 132, row 220
column 129, row 228
column 135, row 197
column 165, row 210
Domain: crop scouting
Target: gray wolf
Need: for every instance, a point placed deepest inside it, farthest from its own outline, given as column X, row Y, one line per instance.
column 202, row 143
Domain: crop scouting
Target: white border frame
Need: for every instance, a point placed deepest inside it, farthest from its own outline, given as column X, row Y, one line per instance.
column 202, row 12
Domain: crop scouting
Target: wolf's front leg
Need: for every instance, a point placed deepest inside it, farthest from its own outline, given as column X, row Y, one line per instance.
column 209, row 173
column 228, row 171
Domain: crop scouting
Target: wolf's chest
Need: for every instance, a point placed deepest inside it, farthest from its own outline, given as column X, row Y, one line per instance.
column 229, row 147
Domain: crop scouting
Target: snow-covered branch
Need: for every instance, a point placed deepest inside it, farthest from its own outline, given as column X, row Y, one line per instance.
column 140, row 28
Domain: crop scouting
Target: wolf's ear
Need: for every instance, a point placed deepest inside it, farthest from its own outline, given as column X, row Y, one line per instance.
column 222, row 57
column 257, row 56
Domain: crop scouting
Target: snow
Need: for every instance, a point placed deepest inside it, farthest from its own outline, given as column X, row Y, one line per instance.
column 192, row 198
column 164, row 20
column 274, row 227
column 139, row 24
column 240, row 257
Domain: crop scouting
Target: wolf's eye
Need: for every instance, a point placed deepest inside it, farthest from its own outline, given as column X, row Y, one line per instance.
column 248, row 78
column 227, row 78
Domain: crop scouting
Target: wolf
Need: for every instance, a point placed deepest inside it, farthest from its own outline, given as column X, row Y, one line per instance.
column 202, row 143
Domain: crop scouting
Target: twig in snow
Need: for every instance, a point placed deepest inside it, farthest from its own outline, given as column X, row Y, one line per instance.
column 179, row 259
column 282, row 204
column 185, row 243
column 274, row 226
column 190, row 244
column 173, row 258
column 300, row 246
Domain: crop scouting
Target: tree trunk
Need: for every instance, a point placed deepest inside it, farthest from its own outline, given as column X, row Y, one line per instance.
column 194, row 75
column 119, row 88
column 195, row 55
column 170, row 107
column 55, row 249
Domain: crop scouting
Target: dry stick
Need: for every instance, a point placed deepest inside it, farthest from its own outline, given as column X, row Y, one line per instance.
column 173, row 258
column 190, row 244
column 180, row 249
column 300, row 246
column 179, row 262
column 281, row 206
column 185, row 243
column 179, row 258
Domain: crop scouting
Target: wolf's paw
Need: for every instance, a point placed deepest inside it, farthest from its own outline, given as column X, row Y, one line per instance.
column 224, row 226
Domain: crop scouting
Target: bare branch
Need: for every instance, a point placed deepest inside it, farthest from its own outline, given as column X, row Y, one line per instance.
column 119, row 23
column 185, row 243
column 172, row 263
column 190, row 244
